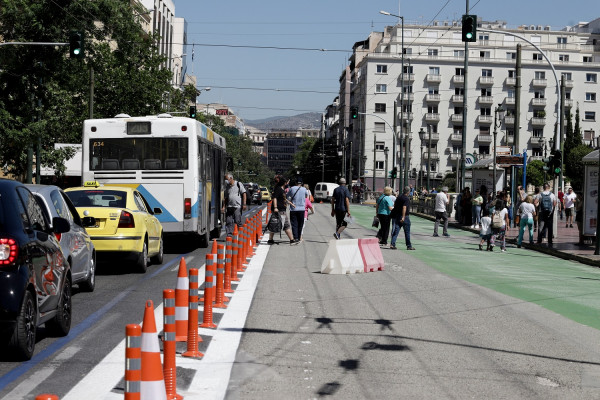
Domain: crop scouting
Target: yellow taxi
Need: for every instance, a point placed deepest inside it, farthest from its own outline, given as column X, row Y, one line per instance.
column 266, row 195
column 125, row 223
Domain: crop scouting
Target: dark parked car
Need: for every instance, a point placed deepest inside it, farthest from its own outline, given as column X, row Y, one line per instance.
column 35, row 277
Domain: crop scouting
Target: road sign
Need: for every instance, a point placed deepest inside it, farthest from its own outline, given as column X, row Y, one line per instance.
column 509, row 160
column 503, row 150
column 469, row 159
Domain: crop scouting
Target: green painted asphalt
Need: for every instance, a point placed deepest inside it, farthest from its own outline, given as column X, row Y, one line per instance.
column 568, row 288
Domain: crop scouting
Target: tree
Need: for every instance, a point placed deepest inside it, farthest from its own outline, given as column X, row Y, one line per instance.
column 535, row 173
column 573, row 148
column 574, row 162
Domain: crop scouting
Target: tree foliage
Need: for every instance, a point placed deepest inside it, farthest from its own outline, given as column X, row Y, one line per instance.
column 575, row 169
column 45, row 95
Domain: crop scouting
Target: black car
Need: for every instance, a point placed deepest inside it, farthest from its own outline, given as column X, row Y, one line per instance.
column 35, row 278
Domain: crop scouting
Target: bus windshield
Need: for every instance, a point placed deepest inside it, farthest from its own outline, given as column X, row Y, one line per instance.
column 138, row 153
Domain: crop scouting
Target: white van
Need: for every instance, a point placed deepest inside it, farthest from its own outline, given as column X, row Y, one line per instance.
column 324, row 190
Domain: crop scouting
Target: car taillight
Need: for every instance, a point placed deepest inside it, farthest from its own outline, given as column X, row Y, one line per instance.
column 126, row 220
column 187, row 208
column 58, row 236
column 8, row 251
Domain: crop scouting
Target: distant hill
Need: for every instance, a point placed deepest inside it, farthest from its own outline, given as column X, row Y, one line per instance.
column 306, row 120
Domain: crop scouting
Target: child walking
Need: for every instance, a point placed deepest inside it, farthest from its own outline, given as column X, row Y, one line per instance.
column 485, row 233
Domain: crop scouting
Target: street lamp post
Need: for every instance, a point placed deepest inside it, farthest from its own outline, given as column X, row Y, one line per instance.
column 385, row 151
column 597, row 250
column 497, row 124
column 421, row 166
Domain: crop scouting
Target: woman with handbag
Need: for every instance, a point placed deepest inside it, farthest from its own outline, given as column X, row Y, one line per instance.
column 278, row 207
column 384, row 209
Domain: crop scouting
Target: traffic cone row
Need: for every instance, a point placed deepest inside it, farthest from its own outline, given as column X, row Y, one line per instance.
column 145, row 376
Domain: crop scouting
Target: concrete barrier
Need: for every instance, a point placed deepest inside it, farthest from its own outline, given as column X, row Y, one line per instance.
column 371, row 254
column 350, row 256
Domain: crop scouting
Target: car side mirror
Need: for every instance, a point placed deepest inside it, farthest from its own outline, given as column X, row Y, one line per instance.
column 60, row 225
column 88, row 222
column 157, row 210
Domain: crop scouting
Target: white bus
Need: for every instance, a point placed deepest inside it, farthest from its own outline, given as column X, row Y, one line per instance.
column 177, row 163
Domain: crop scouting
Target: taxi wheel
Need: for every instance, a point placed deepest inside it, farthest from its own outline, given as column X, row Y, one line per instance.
column 22, row 342
column 60, row 325
column 142, row 261
column 158, row 258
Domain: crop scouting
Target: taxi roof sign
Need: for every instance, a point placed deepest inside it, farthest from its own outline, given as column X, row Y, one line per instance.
column 91, row 184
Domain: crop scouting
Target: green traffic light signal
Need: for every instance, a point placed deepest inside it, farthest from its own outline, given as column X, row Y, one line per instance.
column 354, row 112
column 193, row 112
column 76, row 49
column 469, row 28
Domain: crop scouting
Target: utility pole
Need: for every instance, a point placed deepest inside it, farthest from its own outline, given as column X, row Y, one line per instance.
column 429, row 155
column 463, row 153
column 395, row 150
column 374, row 159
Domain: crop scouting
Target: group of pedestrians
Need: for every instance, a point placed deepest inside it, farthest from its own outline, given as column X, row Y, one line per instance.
column 393, row 211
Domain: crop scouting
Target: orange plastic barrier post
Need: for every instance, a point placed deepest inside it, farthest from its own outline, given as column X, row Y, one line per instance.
column 181, row 303
column 219, row 301
column 234, row 255
column 228, row 254
column 192, row 342
column 169, row 345
column 133, row 361
column 207, row 317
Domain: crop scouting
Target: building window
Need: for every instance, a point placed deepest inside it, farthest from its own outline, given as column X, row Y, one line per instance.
column 456, row 149
column 537, row 57
column 380, row 146
column 510, row 93
column 380, row 107
column 511, row 55
column 433, row 90
column 539, row 114
column 589, row 136
column 408, row 69
column 536, row 152
column 379, row 165
column 459, row 71
column 460, row 91
column 591, row 78
column 407, row 50
column 561, row 40
column 379, row 127
column 590, row 96
column 567, row 94
column 588, row 59
column 485, row 111
column 538, row 94
column 484, row 149
column 512, row 73
column 459, row 54
column 486, row 92
column 484, row 36
column 567, row 76
column 382, row 69
column 432, row 52
column 484, row 54
column 432, row 109
column 408, row 89
column 538, row 133
column 540, row 75
column 486, row 72
column 590, row 116
column 484, row 130
column 381, row 88
column 434, row 70
column 563, row 57
column 457, row 129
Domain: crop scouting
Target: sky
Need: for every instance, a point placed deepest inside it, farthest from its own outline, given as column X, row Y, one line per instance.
column 293, row 76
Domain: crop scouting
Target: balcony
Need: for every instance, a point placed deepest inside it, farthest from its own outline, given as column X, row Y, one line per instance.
column 486, row 80
column 432, row 98
column 407, row 116
column 456, row 118
column 408, row 97
column 537, row 121
column 456, row 137
column 510, row 139
column 568, row 102
column 434, row 155
column 485, row 119
column 510, row 81
column 433, row 78
column 432, row 117
column 425, row 136
column 569, row 83
column 454, row 156
column 486, row 100
column 509, row 120
column 509, row 101
column 457, row 98
column 484, row 138
column 539, row 82
column 407, row 77
column 537, row 102
column 458, row 79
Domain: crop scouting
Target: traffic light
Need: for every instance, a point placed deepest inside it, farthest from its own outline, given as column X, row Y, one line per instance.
column 469, row 28
column 556, row 162
column 193, row 112
column 354, row 112
column 547, row 162
column 394, row 172
column 76, row 44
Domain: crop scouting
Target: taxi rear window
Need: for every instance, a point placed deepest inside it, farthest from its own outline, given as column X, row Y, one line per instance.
column 98, row 198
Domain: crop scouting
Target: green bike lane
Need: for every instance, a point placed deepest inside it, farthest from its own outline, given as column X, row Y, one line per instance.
column 568, row 288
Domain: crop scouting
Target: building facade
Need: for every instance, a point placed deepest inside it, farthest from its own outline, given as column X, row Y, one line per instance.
column 427, row 87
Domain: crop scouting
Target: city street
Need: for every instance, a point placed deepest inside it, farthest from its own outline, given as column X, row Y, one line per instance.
column 444, row 321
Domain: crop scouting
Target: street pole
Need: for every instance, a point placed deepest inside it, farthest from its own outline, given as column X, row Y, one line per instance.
column 421, row 166
column 496, row 111
column 394, row 147
column 374, row 158
column 463, row 152
column 385, row 151
column 597, row 250
column 428, row 155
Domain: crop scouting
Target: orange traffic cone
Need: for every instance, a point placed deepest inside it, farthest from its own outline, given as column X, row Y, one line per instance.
column 153, row 385
column 181, row 302
column 213, row 250
column 46, row 396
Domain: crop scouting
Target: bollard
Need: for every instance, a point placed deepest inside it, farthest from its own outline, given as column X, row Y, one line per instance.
column 170, row 345
column 228, row 254
column 219, row 294
column 207, row 317
column 192, row 342
column 133, row 361
column 46, row 396
column 234, row 256
column 152, row 386
column 181, row 299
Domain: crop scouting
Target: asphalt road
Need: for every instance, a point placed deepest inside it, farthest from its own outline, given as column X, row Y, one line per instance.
column 436, row 324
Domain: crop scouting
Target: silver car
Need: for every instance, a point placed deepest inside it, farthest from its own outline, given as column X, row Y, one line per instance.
column 76, row 244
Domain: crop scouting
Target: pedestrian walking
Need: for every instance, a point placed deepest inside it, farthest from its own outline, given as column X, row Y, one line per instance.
column 569, row 206
column 278, row 206
column 340, row 207
column 308, row 210
column 401, row 214
column 476, row 202
column 384, row 209
column 561, row 203
column 234, row 202
column 536, row 217
column 296, row 197
column 441, row 205
column 579, row 217
column 466, row 206
column 309, row 193
column 485, row 233
column 500, row 225
column 526, row 212
column 546, row 202
column 521, row 195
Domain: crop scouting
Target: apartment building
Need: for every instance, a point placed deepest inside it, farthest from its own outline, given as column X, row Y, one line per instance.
column 428, row 87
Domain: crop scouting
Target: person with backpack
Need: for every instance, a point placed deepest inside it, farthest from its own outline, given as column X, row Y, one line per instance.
column 500, row 225
column 527, row 212
column 546, row 202
column 233, row 203
column 340, row 207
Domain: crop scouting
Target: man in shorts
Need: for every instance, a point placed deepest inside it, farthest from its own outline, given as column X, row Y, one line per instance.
column 340, row 207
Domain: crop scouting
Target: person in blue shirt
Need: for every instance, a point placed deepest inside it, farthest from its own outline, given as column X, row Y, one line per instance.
column 384, row 209
column 296, row 197
column 340, row 207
